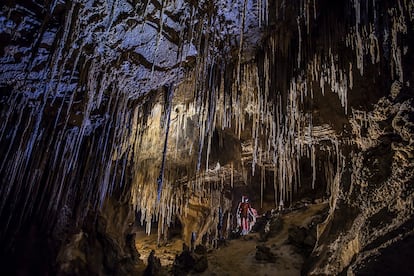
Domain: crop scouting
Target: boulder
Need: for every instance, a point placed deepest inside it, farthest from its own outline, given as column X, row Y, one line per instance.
column 264, row 254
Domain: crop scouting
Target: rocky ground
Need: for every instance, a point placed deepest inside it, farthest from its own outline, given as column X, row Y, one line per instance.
column 280, row 243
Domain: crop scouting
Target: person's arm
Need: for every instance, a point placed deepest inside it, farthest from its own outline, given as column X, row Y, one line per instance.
column 251, row 212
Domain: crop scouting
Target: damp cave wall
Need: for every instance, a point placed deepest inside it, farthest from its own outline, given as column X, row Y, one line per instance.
column 85, row 98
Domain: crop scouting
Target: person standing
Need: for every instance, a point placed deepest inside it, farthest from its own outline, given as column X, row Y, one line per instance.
column 245, row 216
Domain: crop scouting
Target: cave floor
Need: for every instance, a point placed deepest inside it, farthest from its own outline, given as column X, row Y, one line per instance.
column 237, row 257
column 166, row 253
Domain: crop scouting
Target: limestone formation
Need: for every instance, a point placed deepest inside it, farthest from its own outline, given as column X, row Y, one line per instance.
column 123, row 112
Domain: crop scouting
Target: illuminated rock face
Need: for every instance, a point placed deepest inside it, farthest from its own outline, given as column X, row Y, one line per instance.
column 175, row 108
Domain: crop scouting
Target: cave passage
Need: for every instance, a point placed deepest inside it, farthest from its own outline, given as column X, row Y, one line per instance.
column 182, row 137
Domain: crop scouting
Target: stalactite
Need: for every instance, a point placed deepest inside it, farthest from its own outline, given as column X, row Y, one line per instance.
column 313, row 165
column 232, row 176
column 167, row 122
column 242, row 26
column 228, row 95
column 262, row 184
column 300, row 41
column 398, row 26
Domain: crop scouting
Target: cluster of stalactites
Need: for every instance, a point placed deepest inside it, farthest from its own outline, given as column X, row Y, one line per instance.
column 281, row 131
column 364, row 38
column 278, row 131
column 279, row 139
column 52, row 141
column 182, row 181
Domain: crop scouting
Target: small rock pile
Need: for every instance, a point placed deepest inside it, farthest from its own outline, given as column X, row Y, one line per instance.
column 188, row 261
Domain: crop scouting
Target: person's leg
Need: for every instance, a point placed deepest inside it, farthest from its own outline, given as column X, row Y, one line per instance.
column 245, row 226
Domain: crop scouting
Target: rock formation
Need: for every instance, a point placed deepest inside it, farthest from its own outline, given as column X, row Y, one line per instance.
column 173, row 109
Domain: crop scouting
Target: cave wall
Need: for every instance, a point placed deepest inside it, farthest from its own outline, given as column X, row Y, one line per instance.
column 105, row 245
column 175, row 108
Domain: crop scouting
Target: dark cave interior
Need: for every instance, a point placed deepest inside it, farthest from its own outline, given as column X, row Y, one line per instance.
column 132, row 133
